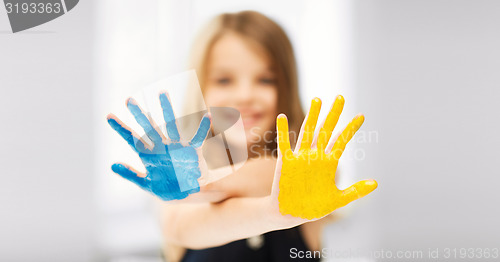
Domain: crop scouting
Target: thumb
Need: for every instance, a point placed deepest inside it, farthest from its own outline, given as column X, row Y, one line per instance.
column 358, row 190
column 131, row 175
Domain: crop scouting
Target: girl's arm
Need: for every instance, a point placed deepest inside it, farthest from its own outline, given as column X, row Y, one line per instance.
column 204, row 225
column 208, row 224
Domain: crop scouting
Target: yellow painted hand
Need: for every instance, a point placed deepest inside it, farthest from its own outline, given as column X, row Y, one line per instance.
column 307, row 183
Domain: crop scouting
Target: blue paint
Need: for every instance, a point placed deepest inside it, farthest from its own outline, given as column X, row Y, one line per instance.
column 127, row 134
column 169, row 117
column 143, row 121
column 201, row 133
column 172, row 169
column 129, row 174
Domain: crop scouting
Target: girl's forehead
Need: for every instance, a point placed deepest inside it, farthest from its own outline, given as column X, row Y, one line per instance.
column 232, row 48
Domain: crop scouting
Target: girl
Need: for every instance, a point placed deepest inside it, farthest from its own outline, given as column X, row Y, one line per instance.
column 274, row 203
column 244, row 61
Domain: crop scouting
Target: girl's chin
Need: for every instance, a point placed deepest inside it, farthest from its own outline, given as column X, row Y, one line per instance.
column 257, row 134
column 252, row 138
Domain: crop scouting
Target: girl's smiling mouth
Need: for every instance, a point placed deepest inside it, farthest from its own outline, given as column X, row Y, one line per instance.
column 251, row 120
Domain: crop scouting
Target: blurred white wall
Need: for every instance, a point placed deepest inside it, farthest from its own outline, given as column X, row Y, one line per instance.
column 47, row 208
column 427, row 77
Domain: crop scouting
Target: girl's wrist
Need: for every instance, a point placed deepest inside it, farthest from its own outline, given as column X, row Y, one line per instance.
column 271, row 217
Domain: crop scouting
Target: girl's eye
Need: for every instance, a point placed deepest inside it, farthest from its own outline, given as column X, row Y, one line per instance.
column 266, row 80
column 223, row 81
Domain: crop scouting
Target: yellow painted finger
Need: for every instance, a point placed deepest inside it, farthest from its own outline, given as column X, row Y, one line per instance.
column 347, row 134
column 283, row 136
column 358, row 190
column 310, row 125
column 331, row 121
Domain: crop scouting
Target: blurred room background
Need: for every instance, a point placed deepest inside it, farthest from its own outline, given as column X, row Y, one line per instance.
column 424, row 73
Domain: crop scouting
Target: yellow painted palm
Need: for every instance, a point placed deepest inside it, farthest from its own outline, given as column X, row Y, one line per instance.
column 307, row 186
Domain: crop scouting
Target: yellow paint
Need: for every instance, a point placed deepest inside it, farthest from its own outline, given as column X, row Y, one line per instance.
column 307, row 185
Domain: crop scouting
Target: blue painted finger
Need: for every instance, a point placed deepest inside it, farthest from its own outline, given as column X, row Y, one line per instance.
column 143, row 121
column 201, row 133
column 131, row 175
column 169, row 117
column 125, row 132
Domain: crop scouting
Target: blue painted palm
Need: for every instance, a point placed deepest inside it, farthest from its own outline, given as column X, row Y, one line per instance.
column 172, row 166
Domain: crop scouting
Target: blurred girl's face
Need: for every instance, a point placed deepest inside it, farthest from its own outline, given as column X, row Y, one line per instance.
column 239, row 75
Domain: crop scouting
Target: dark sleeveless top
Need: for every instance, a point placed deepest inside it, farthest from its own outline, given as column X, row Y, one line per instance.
column 273, row 246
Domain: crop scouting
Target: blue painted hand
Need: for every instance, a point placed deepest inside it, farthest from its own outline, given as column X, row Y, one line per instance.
column 172, row 165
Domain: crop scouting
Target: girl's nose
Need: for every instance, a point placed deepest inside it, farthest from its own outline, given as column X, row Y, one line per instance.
column 244, row 94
